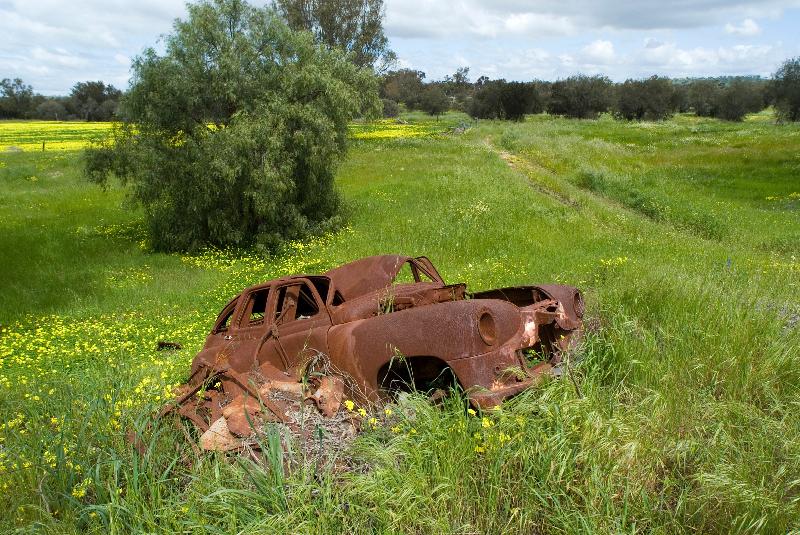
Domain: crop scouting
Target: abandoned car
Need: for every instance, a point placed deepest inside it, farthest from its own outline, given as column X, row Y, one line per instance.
column 364, row 331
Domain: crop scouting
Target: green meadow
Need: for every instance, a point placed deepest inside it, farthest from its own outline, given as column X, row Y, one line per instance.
column 681, row 414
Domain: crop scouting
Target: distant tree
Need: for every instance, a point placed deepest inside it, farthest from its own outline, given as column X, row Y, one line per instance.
column 16, row 98
column 543, row 90
column 517, row 99
column 703, row 97
column 581, row 96
column 434, row 101
column 51, row 109
column 457, row 86
column 738, row 98
column 88, row 100
column 650, row 99
column 233, row 135
column 680, row 97
column 353, row 25
column 485, row 102
column 390, row 108
column 404, row 85
column 785, row 90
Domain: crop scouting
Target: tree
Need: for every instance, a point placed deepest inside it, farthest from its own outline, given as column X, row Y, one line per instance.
column 580, row 96
column 651, row 99
column 434, row 101
column 740, row 97
column 233, row 135
column 88, row 100
column 485, row 101
column 517, row 99
column 457, row 86
column 404, row 85
column 785, row 90
column 16, row 98
column 390, row 108
column 353, row 25
column 703, row 97
column 51, row 110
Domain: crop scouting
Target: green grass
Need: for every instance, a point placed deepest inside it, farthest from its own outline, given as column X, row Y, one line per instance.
column 686, row 420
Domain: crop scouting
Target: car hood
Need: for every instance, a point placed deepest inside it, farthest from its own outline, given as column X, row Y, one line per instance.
column 366, row 275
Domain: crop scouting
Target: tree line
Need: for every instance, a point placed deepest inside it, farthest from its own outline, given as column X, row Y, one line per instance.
column 585, row 97
column 88, row 101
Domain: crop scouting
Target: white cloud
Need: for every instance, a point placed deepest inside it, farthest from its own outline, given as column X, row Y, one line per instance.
column 669, row 58
column 599, row 52
column 748, row 27
column 476, row 18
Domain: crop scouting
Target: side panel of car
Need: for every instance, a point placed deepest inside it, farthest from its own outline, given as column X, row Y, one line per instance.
column 447, row 331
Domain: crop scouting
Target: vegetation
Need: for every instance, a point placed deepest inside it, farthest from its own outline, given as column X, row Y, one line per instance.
column 504, row 100
column 434, row 101
column 652, row 99
column 580, row 97
column 46, row 135
column 682, row 233
column 254, row 166
column 88, row 101
column 786, row 90
column 355, row 26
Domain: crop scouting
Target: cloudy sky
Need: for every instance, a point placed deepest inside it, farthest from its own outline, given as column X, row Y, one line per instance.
column 53, row 44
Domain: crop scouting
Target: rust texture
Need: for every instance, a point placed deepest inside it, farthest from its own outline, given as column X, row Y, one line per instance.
column 365, row 331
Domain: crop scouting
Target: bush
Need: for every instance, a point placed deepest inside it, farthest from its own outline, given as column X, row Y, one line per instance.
column 651, row 99
column 390, row 108
column 232, row 137
column 582, row 97
column 785, row 90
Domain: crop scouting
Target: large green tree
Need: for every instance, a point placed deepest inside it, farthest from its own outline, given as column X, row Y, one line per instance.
column 352, row 25
column 232, row 136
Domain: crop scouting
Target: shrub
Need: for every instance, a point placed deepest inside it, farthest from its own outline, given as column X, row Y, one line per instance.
column 232, row 136
column 785, row 90
column 580, row 96
column 390, row 108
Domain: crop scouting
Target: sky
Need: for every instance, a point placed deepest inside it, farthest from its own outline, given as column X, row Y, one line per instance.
column 53, row 44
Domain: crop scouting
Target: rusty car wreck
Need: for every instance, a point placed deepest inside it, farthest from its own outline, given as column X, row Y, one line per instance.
column 364, row 331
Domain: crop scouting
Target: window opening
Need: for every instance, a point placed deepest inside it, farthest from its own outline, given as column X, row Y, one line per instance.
column 258, row 306
column 295, row 302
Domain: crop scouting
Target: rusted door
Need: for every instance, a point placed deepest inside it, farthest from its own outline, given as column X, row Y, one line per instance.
column 300, row 325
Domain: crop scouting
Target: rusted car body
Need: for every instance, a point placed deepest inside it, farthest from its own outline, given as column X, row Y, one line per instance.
column 365, row 330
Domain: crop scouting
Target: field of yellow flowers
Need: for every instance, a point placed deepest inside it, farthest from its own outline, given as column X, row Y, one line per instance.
column 680, row 417
column 75, row 135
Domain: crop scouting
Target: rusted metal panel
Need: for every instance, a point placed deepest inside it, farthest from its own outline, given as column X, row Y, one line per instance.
column 356, row 333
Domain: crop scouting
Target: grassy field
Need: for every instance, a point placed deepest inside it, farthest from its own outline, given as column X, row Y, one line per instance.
column 684, row 236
